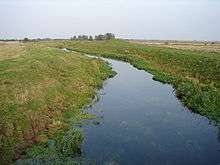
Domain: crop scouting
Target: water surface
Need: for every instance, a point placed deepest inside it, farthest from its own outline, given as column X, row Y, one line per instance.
column 140, row 121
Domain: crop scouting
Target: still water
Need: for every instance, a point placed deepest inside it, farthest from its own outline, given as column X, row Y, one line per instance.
column 140, row 121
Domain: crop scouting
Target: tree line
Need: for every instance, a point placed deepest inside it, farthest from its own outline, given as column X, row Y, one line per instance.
column 100, row 37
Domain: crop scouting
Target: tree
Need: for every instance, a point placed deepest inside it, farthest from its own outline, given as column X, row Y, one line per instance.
column 85, row 37
column 109, row 36
column 90, row 38
column 73, row 38
column 26, row 40
column 100, row 37
column 79, row 37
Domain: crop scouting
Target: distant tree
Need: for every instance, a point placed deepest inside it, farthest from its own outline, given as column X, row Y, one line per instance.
column 73, row 38
column 79, row 37
column 25, row 39
column 109, row 36
column 90, row 38
column 100, row 37
column 85, row 37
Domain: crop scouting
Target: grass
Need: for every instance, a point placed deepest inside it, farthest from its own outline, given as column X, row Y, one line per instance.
column 42, row 93
column 194, row 74
column 10, row 51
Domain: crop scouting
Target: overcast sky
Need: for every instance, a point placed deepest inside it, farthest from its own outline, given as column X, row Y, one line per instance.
column 138, row 19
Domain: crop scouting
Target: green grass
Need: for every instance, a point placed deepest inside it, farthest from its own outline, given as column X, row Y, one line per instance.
column 194, row 74
column 42, row 93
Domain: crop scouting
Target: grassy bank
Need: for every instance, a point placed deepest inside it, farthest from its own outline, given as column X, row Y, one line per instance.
column 194, row 74
column 42, row 92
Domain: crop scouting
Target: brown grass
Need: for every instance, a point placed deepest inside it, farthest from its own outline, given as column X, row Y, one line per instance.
column 9, row 50
column 187, row 45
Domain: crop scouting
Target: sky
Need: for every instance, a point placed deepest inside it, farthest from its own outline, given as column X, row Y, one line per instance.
column 133, row 19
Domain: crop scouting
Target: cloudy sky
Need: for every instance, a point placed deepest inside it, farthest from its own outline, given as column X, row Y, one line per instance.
column 138, row 19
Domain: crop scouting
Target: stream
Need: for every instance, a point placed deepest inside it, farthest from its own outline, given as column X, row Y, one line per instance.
column 140, row 121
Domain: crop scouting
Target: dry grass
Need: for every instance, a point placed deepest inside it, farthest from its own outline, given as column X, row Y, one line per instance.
column 202, row 46
column 9, row 50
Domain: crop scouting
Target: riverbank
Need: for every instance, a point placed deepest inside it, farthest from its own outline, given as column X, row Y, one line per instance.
column 194, row 74
column 42, row 93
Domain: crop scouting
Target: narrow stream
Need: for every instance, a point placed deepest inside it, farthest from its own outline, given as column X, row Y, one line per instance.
column 140, row 121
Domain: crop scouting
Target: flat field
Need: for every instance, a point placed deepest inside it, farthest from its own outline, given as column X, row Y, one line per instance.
column 187, row 45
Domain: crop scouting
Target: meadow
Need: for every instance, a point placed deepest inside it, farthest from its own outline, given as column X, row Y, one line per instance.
column 42, row 93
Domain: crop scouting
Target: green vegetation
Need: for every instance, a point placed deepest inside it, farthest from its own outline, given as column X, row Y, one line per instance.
column 194, row 74
column 42, row 93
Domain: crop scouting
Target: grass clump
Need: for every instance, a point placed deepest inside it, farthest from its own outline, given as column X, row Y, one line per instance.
column 61, row 149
